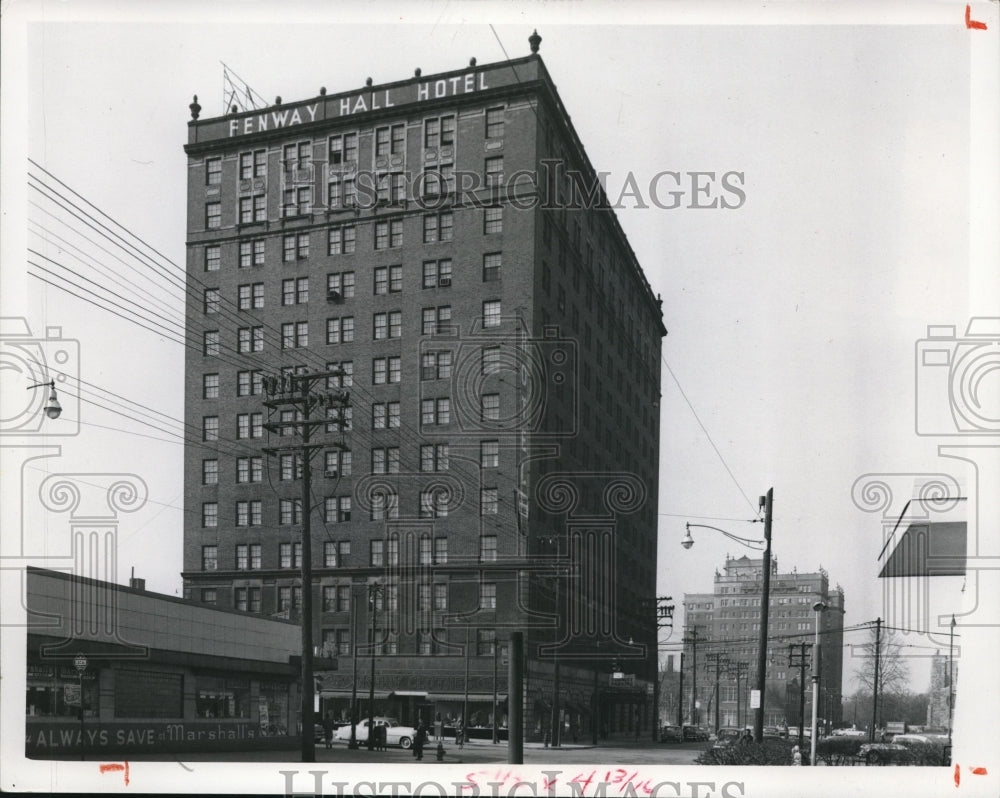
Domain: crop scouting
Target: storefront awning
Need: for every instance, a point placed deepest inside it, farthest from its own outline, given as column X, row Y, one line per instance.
column 461, row 697
column 407, row 694
column 380, row 695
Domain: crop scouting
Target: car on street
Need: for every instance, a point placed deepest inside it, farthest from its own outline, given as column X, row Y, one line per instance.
column 695, row 733
column 884, row 754
column 395, row 733
column 727, row 736
column 671, row 734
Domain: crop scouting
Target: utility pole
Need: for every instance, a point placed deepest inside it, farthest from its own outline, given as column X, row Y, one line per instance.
column 878, row 646
column 719, row 658
column 767, row 502
column 692, row 638
column 741, row 670
column 295, row 392
column 664, row 617
column 801, row 655
column 951, row 678
column 374, row 594
column 680, row 694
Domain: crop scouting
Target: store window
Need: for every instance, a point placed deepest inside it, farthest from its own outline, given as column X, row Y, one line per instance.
column 148, row 694
column 218, row 697
column 272, row 708
column 54, row 692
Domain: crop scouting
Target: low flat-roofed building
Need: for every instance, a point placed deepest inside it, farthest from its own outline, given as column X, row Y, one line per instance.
column 156, row 673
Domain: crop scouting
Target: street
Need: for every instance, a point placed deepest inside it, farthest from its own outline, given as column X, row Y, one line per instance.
column 617, row 752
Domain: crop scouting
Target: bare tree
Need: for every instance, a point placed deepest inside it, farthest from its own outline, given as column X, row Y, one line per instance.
column 893, row 670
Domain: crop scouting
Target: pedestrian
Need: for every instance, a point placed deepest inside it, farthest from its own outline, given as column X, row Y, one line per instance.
column 328, row 726
column 796, row 756
column 418, row 742
column 746, row 737
column 460, row 734
column 381, row 737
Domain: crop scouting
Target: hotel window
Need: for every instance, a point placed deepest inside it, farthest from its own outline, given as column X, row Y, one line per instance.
column 387, row 325
column 426, row 552
column 388, row 234
column 423, row 597
column 209, row 558
column 434, row 457
column 440, row 596
column 213, row 215
column 490, row 407
column 488, row 548
column 385, row 505
column 250, row 296
column 213, row 171
column 337, row 509
column 424, row 647
column 330, row 559
column 493, row 219
column 209, row 472
column 491, row 313
column 210, row 343
column 210, row 386
column 489, row 454
column 494, row 170
column 248, row 383
column 488, row 596
column 491, row 268
column 343, row 148
column 345, row 379
column 342, row 283
column 342, row 240
column 440, row 550
column 437, row 273
column 387, row 459
column 289, row 511
column 253, row 164
column 385, row 415
column 433, row 504
column 435, row 411
column 486, row 641
column 329, row 598
column 242, row 557
column 385, row 370
column 435, row 366
column 435, row 320
column 211, row 300
column 213, row 258
column 388, row 279
column 252, row 253
column 250, row 339
column 439, row 131
column 243, row 513
column 210, row 428
column 438, row 227
column 489, row 501
column 340, row 331
column 290, row 467
column 295, row 335
column 491, row 360
column 494, row 123
column 295, row 247
column 438, row 180
column 376, row 553
column 297, row 155
column 249, row 469
column 297, row 201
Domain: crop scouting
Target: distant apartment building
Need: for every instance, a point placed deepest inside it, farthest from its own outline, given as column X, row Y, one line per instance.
column 725, row 625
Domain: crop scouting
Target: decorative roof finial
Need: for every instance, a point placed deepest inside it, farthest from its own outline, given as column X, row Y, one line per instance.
column 534, row 40
column 195, row 108
column 322, row 91
column 472, row 61
column 277, row 100
column 368, row 82
column 416, row 72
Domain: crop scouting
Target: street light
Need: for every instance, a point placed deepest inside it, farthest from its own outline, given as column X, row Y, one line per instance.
column 374, row 593
column 766, row 503
column 819, row 608
column 53, row 409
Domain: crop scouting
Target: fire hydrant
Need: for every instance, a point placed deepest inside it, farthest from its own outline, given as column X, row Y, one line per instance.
column 440, row 751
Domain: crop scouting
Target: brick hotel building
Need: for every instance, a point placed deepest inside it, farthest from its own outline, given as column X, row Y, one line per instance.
column 496, row 466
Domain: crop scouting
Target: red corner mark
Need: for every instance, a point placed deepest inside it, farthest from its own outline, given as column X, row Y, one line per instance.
column 972, row 23
column 958, row 774
column 115, row 767
column 978, row 771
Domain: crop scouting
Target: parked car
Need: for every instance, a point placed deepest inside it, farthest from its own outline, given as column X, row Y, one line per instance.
column 726, row 736
column 671, row 734
column 695, row 733
column 775, row 731
column 395, row 734
column 883, row 754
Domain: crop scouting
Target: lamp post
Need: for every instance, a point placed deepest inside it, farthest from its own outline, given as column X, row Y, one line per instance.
column 374, row 592
column 819, row 608
column 80, row 663
column 766, row 503
column 53, row 409
column 353, row 744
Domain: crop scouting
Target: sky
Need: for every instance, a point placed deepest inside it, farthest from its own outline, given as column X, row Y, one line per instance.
column 793, row 320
